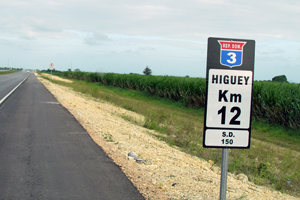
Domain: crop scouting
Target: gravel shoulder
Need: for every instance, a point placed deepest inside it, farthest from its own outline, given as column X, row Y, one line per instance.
column 168, row 173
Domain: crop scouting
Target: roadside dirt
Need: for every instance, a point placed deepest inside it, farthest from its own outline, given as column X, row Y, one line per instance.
column 168, row 173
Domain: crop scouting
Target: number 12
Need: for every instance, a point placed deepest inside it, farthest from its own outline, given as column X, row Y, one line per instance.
column 233, row 120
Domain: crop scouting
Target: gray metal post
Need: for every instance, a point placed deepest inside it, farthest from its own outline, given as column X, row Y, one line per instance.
column 224, row 170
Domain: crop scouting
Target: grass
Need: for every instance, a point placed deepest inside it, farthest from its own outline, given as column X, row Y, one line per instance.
column 276, row 134
column 272, row 160
column 8, row 72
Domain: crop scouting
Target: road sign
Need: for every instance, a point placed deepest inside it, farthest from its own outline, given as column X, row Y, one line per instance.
column 51, row 66
column 231, row 53
column 229, row 82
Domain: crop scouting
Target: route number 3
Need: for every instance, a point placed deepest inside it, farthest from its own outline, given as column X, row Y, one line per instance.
column 233, row 120
column 232, row 58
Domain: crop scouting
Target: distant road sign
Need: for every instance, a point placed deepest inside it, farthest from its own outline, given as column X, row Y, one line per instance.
column 51, row 66
column 229, row 82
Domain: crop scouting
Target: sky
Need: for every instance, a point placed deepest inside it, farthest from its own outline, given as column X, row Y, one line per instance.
column 168, row 36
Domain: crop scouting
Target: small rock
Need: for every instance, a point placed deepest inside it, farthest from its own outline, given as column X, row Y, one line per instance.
column 130, row 158
column 131, row 154
column 136, row 158
column 152, row 166
column 242, row 177
column 216, row 169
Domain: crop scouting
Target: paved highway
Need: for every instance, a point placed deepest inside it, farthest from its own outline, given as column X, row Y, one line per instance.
column 10, row 81
column 46, row 154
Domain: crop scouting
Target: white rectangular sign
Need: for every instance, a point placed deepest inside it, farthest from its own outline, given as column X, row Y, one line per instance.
column 228, row 106
column 229, row 99
column 227, row 138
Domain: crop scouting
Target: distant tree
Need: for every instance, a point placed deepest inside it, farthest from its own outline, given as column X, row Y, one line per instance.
column 69, row 70
column 147, row 71
column 77, row 70
column 281, row 78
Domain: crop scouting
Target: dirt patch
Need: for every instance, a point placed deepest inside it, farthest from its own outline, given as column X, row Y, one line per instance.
column 56, row 78
column 168, row 173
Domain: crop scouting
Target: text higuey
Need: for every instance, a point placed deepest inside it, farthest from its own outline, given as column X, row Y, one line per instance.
column 226, row 79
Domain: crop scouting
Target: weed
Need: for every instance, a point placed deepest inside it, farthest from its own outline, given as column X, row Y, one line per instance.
column 108, row 138
column 244, row 196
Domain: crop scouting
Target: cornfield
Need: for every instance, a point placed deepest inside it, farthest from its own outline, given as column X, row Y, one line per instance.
column 277, row 102
column 272, row 101
column 190, row 91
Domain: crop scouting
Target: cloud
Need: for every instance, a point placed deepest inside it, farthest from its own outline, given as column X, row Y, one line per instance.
column 191, row 19
column 147, row 12
column 25, row 37
column 272, row 51
column 41, row 25
column 129, row 51
column 96, row 39
column 146, row 49
column 5, row 42
column 160, row 33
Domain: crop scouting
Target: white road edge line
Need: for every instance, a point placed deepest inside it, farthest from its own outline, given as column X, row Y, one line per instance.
column 4, row 98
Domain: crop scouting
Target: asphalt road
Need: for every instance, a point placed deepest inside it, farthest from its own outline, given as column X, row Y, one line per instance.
column 46, row 154
column 10, row 81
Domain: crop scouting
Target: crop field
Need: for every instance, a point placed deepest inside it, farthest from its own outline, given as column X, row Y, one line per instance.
column 273, row 157
column 273, row 102
column 190, row 91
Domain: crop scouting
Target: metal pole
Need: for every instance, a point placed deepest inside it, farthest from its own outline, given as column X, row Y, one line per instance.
column 224, row 170
column 51, row 76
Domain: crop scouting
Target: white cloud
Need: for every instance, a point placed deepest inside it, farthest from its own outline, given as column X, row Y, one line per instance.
column 163, row 34
column 96, row 39
column 25, row 37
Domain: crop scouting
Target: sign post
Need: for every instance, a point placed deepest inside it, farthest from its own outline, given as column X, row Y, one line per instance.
column 51, row 68
column 229, row 83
